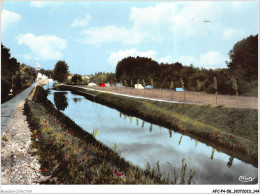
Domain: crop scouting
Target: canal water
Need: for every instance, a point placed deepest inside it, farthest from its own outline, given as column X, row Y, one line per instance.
column 140, row 142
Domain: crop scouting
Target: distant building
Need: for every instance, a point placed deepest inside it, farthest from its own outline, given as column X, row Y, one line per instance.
column 86, row 77
column 69, row 76
column 37, row 68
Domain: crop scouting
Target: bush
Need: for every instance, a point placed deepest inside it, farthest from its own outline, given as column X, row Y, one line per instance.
column 5, row 87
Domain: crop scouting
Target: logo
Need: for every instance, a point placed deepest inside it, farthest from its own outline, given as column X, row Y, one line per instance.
column 245, row 179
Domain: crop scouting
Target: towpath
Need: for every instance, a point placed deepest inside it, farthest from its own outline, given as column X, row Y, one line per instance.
column 7, row 108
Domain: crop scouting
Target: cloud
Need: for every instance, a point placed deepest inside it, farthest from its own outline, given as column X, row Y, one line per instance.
column 147, row 24
column 153, row 22
column 164, row 22
column 9, row 18
column 232, row 33
column 187, row 60
column 107, row 34
column 212, row 59
column 43, row 47
column 41, row 4
column 119, row 55
column 81, row 22
column 167, row 59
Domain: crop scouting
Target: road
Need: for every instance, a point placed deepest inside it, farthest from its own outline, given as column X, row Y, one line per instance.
column 7, row 108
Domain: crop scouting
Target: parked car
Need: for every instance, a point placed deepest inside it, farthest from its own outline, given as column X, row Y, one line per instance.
column 148, row 87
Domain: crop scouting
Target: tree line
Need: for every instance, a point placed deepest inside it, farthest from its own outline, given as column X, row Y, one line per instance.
column 14, row 75
column 240, row 76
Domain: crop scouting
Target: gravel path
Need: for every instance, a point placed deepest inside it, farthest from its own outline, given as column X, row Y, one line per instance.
column 18, row 165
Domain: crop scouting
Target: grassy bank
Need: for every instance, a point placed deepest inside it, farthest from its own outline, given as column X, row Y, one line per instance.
column 69, row 155
column 231, row 130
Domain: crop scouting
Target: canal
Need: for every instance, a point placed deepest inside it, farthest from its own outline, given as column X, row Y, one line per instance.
column 140, row 142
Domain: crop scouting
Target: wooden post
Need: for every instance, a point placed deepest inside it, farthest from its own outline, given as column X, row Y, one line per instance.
column 216, row 88
column 171, row 87
column 182, row 85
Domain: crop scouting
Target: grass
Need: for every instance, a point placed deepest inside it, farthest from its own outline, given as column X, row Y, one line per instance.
column 69, row 155
column 252, row 89
column 230, row 130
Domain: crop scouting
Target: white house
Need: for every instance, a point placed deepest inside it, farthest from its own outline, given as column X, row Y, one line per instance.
column 139, row 86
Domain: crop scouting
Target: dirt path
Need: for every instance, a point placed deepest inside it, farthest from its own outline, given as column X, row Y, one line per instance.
column 190, row 97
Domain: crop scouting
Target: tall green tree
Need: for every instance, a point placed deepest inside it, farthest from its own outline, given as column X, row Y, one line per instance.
column 244, row 59
column 76, row 78
column 60, row 72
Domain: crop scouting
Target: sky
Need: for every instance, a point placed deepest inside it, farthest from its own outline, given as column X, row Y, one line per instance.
column 92, row 36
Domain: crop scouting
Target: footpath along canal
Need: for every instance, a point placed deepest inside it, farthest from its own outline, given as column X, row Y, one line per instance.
column 140, row 142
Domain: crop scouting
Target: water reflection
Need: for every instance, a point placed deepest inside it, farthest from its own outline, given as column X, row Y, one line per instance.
column 76, row 99
column 60, row 100
column 143, row 124
column 212, row 153
column 196, row 143
column 152, row 144
column 180, row 140
column 170, row 132
column 230, row 161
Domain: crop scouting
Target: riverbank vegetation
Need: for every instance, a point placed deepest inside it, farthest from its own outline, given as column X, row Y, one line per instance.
column 69, row 155
column 231, row 130
column 14, row 75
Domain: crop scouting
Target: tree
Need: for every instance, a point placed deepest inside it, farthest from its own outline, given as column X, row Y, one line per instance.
column 215, row 85
column 60, row 71
column 199, row 84
column 171, row 87
column 234, row 86
column 76, row 78
column 182, row 85
column 244, row 59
